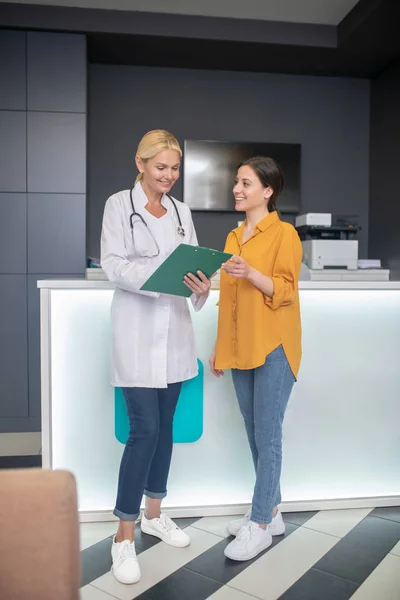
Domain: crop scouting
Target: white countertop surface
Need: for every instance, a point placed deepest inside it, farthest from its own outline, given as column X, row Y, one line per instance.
column 84, row 284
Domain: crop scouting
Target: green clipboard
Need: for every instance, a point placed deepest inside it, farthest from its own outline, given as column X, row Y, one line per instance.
column 168, row 278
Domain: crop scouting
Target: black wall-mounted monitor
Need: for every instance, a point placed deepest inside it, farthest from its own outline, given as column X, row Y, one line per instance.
column 210, row 169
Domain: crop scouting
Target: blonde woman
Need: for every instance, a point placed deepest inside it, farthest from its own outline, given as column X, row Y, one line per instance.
column 152, row 350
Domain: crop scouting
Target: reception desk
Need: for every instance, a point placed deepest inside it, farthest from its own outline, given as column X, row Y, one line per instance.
column 342, row 427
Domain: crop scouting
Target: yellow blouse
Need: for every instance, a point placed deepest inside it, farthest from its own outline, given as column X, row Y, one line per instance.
column 251, row 324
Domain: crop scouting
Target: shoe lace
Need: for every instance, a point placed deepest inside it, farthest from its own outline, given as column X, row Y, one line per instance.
column 247, row 531
column 127, row 550
column 167, row 523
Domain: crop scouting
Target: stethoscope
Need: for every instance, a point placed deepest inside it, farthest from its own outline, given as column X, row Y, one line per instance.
column 180, row 230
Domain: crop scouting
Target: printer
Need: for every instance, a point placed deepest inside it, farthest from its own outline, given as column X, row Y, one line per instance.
column 328, row 240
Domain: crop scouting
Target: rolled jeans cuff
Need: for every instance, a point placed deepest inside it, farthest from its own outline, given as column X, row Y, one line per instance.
column 125, row 516
column 155, row 495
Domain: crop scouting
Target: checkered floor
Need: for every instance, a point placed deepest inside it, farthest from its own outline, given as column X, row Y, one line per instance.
column 330, row 555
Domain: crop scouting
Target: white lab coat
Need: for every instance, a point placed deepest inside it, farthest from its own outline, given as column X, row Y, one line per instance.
column 152, row 339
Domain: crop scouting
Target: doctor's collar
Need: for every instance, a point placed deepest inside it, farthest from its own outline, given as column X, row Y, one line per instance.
column 141, row 198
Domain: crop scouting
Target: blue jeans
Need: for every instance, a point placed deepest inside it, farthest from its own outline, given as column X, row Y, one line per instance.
column 263, row 394
column 147, row 456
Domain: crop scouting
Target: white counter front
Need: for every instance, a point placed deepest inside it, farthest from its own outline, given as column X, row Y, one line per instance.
column 342, row 427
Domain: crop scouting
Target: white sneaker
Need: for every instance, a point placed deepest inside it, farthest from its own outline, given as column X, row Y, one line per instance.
column 125, row 567
column 276, row 527
column 249, row 542
column 165, row 529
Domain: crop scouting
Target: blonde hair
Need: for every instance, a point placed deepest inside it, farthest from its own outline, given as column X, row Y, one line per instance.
column 153, row 142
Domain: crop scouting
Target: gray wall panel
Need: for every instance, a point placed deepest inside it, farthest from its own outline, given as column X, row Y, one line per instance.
column 56, row 153
column 329, row 117
column 12, row 70
column 34, row 344
column 12, row 233
column 56, row 233
column 48, row 224
column 12, row 151
column 56, row 72
column 20, row 425
column 13, row 349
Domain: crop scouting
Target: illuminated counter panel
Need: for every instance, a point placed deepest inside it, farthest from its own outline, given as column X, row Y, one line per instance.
column 341, row 434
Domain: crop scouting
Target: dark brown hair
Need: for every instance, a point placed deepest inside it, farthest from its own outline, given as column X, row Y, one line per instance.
column 269, row 173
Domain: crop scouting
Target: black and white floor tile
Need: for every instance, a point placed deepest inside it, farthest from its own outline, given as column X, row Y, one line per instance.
column 327, row 555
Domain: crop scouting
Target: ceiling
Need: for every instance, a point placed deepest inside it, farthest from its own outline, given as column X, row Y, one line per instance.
column 321, row 12
column 343, row 38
